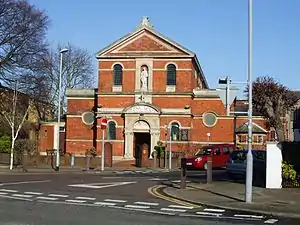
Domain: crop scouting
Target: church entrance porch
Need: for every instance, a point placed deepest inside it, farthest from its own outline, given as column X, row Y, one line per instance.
column 142, row 146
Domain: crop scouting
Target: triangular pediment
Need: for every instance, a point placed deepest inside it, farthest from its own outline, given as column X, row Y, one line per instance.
column 144, row 41
column 255, row 129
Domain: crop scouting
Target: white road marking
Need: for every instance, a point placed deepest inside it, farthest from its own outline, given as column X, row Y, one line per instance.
column 58, row 195
column 111, row 206
column 214, row 210
column 46, row 198
column 249, row 216
column 33, row 193
column 8, row 190
column 75, row 201
column 3, row 193
column 209, row 214
column 180, row 207
column 271, row 221
column 22, row 196
column 158, row 179
column 147, row 203
column 115, row 200
column 137, row 206
column 178, row 181
column 173, row 210
column 101, row 185
column 17, row 198
column 85, row 198
column 26, row 182
column 105, row 203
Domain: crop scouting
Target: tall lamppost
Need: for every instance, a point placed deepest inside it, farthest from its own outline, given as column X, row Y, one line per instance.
column 59, row 107
column 249, row 171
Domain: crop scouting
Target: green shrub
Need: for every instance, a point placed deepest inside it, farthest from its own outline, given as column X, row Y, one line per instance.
column 160, row 149
column 5, row 144
column 288, row 172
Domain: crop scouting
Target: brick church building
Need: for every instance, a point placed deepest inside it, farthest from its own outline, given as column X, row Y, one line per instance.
column 151, row 89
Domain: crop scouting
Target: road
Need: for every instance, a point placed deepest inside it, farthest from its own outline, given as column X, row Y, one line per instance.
column 116, row 198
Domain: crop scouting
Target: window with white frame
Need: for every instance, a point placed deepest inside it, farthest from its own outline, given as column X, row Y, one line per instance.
column 175, row 132
column 111, row 130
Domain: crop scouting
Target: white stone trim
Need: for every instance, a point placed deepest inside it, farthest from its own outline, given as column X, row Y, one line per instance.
column 110, row 110
column 175, row 64
column 174, row 121
column 117, row 63
column 116, row 96
column 83, row 98
column 117, row 88
column 105, row 140
column 175, row 115
column 170, row 88
column 124, row 69
column 78, row 140
column 109, row 60
column 179, row 69
column 176, row 110
column 111, row 120
column 171, row 96
column 208, row 99
column 74, row 116
column 117, row 126
column 133, row 59
column 56, row 130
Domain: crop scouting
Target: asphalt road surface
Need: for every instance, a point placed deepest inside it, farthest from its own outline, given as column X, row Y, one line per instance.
column 116, row 198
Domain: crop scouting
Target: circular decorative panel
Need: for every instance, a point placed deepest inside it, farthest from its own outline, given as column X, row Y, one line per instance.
column 88, row 118
column 210, row 119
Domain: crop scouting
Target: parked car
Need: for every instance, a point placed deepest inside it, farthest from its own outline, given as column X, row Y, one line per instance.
column 219, row 153
column 237, row 163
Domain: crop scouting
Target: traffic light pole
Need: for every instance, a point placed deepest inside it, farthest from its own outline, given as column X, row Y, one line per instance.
column 249, row 171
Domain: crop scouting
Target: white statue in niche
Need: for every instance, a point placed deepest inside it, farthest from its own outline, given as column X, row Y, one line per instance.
column 144, row 78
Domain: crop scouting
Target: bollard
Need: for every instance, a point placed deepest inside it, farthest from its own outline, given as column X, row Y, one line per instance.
column 154, row 156
column 25, row 161
column 183, row 174
column 72, row 159
column 87, row 162
column 209, row 169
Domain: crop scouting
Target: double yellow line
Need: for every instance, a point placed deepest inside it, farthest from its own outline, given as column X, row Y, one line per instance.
column 154, row 191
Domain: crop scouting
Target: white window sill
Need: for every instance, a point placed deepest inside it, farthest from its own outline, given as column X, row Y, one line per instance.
column 117, row 88
column 170, row 88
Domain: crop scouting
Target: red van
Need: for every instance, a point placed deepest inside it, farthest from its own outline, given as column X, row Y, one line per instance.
column 220, row 154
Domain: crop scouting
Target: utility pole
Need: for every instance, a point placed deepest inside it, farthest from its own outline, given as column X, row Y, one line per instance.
column 249, row 171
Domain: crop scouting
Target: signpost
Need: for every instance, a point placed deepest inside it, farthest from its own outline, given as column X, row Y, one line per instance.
column 103, row 127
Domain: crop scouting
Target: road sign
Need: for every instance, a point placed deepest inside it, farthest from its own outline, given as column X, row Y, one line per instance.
column 101, row 185
column 233, row 91
column 103, row 123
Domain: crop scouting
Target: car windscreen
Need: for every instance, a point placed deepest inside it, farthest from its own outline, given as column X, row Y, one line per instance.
column 242, row 155
column 238, row 155
column 206, row 151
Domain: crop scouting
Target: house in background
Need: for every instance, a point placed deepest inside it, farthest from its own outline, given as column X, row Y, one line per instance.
column 151, row 89
column 293, row 121
column 30, row 128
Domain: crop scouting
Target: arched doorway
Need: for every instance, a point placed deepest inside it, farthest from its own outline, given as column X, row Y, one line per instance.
column 142, row 142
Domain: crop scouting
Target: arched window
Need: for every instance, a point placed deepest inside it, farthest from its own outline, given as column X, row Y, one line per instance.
column 111, row 131
column 175, row 132
column 118, row 74
column 171, row 74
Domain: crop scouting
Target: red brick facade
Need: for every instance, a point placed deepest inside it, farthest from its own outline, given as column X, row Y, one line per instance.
column 133, row 109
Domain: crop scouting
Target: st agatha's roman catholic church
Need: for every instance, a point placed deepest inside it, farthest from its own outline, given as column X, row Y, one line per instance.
column 151, row 89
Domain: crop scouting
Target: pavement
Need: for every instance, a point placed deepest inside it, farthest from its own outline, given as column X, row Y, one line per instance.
column 115, row 197
column 230, row 195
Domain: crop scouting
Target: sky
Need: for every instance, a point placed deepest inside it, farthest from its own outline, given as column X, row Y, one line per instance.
column 216, row 30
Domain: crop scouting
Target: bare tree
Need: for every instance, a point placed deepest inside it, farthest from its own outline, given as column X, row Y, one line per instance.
column 77, row 72
column 22, row 38
column 14, row 108
column 272, row 100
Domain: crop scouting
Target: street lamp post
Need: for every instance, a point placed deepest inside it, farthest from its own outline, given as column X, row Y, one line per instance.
column 59, row 107
column 249, row 171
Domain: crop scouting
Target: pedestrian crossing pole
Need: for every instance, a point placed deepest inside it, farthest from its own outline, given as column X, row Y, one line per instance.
column 249, row 171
